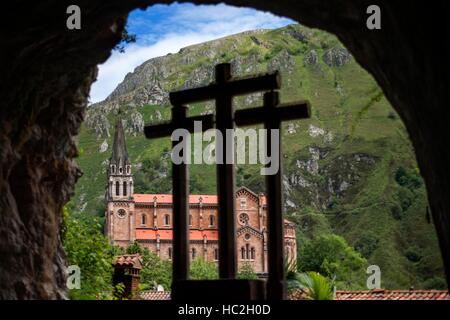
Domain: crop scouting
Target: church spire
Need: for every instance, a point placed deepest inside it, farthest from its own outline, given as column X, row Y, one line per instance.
column 119, row 155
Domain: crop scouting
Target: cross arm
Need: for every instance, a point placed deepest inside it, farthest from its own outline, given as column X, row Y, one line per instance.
column 265, row 82
column 166, row 129
column 285, row 112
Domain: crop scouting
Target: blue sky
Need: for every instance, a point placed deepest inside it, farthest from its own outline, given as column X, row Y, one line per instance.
column 163, row 29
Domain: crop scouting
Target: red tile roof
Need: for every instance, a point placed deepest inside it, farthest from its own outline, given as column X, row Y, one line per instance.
column 166, row 234
column 378, row 294
column 167, row 198
column 193, row 198
column 383, row 294
column 154, row 295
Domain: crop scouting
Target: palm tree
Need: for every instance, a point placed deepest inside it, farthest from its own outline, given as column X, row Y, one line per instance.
column 316, row 286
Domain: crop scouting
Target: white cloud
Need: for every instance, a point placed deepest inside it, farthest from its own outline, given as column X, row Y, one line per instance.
column 187, row 25
column 113, row 71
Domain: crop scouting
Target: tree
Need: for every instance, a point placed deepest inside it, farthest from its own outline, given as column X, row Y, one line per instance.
column 88, row 248
column 331, row 256
column 317, row 286
column 155, row 271
column 246, row 272
column 202, row 269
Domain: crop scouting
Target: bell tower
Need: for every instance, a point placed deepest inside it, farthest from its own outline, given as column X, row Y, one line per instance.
column 119, row 195
column 120, row 180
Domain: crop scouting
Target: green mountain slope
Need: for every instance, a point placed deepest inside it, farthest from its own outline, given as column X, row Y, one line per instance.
column 350, row 169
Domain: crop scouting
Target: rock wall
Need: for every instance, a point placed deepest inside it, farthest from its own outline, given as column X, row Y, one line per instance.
column 47, row 71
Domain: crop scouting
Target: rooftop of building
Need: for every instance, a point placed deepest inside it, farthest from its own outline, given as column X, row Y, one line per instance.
column 377, row 294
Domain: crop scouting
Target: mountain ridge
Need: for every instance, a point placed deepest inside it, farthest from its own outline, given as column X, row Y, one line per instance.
column 348, row 170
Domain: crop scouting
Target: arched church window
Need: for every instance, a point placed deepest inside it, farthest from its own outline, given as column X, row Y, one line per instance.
column 194, row 253
column 169, row 252
column 166, row 220
column 120, row 169
column 113, row 169
column 252, row 253
column 211, row 221
column 143, row 219
column 242, row 253
column 190, row 219
column 247, row 251
column 117, row 188
column 124, row 188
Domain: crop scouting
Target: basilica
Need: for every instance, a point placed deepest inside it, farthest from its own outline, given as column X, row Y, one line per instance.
column 147, row 218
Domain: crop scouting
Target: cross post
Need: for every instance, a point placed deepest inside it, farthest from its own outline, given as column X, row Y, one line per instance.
column 223, row 91
column 180, row 189
column 271, row 114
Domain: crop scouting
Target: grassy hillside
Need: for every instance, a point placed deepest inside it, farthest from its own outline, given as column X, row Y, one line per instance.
column 350, row 169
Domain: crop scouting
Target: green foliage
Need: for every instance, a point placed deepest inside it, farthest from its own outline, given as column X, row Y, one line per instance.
column 347, row 104
column 317, row 286
column 367, row 244
column 408, row 178
column 154, row 176
column 155, row 271
column 87, row 248
column 392, row 115
column 134, row 248
column 246, row 272
column 436, row 283
column 331, row 256
column 203, row 270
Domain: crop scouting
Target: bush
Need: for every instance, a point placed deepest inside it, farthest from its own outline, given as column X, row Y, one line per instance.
column 437, row 283
column 331, row 256
column 203, row 270
column 413, row 255
column 88, row 248
column 367, row 244
column 396, row 211
column 155, row 271
column 247, row 272
column 408, row 178
column 392, row 115
column 406, row 198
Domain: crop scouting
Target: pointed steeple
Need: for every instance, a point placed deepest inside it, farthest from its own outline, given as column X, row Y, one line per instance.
column 119, row 155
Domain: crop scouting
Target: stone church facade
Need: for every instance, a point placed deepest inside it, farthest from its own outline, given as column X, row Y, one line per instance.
column 147, row 218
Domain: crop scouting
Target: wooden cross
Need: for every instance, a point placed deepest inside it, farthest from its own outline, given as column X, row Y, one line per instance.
column 271, row 114
column 223, row 91
column 180, row 186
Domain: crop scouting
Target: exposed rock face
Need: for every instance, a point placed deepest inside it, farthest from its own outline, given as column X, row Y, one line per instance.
column 311, row 58
column 99, row 123
column 198, row 77
column 342, row 173
column 142, row 86
column 245, row 64
column 282, row 62
column 47, row 71
column 336, row 57
column 135, row 122
column 297, row 34
column 103, row 147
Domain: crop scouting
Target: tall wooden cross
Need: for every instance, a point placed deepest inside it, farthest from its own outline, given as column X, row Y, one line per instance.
column 271, row 114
